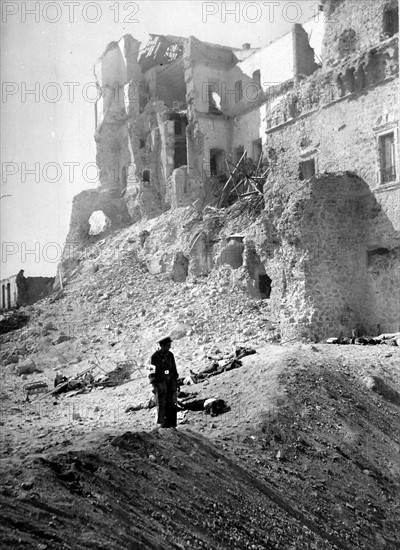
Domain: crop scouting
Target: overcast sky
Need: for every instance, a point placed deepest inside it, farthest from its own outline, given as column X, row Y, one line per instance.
column 47, row 145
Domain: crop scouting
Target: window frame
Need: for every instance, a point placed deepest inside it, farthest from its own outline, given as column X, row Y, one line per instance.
column 238, row 91
column 381, row 132
column 305, row 156
column 390, row 20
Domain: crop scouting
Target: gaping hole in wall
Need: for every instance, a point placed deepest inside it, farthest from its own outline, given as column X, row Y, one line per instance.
column 232, row 254
column 170, row 84
column 3, row 296
column 387, row 155
column 142, row 143
column 307, row 169
column 146, row 176
column 180, row 268
column 217, row 163
column 214, row 99
column 160, row 50
column 98, row 222
column 264, row 286
column 391, row 19
column 376, row 253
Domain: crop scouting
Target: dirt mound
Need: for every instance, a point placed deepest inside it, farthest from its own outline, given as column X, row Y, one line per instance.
column 152, row 490
column 307, row 457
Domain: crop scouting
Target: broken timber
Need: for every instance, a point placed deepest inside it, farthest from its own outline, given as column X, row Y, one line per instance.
column 239, row 176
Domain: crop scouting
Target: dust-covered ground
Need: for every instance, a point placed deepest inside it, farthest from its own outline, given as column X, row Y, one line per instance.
column 307, row 457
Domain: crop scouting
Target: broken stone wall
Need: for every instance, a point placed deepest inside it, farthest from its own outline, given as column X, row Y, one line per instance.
column 34, row 289
column 80, row 236
column 153, row 186
column 119, row 78
column 352, row 26
column 39, row 288
column 304, row 62
column 275, row 63
column 336, row 230
column 315, row 245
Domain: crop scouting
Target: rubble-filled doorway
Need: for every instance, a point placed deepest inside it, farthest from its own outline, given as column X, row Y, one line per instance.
column 217, row 162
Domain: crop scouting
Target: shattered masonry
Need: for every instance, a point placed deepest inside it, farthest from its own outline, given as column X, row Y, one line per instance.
column 326, row 249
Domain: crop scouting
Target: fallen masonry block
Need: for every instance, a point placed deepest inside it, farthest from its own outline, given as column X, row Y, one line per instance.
column 26, row 367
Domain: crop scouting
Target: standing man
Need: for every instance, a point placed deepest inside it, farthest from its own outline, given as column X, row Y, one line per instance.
column 164, row 381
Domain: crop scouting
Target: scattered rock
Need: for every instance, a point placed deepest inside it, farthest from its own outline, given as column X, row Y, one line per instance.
column 62, row 338
column 27, row 367
column 11, row 359
column 179, row 331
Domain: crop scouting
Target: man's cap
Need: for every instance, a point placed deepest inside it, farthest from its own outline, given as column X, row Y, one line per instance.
column 165, row 339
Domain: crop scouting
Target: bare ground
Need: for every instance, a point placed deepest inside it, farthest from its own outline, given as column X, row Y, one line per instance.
column 308, row 457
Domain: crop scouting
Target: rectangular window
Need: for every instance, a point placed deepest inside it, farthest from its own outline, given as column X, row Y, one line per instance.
column 257, row 78
column 387, row 158
column 238, row 91
column 307, row 169
column 391, row 21
column 178, row 128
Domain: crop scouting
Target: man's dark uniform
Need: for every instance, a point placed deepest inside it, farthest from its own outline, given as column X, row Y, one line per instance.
column 164, row 380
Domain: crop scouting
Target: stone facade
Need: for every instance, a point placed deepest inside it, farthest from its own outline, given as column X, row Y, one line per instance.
column 316, row 128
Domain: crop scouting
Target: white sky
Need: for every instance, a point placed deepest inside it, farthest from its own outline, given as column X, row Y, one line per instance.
column 56, row 126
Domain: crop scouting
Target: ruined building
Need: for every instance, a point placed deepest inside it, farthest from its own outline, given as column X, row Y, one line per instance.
column 19, row 290
column 326, row 248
